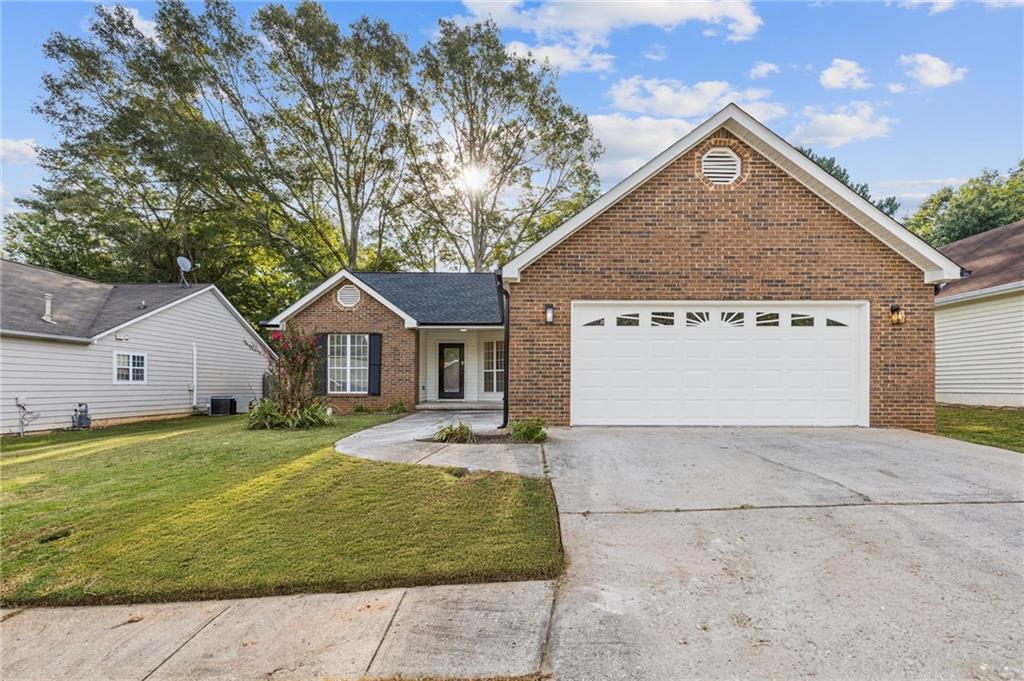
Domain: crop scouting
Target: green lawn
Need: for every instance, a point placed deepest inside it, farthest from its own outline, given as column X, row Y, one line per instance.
column 997, row 427
column 203, row 508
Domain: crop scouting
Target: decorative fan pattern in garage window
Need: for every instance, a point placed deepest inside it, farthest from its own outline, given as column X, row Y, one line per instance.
column 698, row 318
column 628, row 319
column 732, row 318
column 597, row 322
column 767, row 319
column 798, row 319
column 663, row 319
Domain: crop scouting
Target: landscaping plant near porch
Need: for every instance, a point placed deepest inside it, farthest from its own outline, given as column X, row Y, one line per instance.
column 293, row 402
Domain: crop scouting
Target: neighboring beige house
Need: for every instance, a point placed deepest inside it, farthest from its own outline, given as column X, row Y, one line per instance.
column 979, row 322
column 127, row 350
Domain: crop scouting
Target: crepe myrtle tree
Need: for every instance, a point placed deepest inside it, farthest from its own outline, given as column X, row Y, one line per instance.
column 495, row 148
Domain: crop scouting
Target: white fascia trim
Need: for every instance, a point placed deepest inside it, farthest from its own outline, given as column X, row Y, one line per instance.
column 981, row 293
column 78, row 340
column 212, row 289
column 305, row 300
column 936, row 267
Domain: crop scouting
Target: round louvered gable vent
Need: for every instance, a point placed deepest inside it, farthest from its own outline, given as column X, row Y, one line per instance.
column 720, row 165
column 348, row 296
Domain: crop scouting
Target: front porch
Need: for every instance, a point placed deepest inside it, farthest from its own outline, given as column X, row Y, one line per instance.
column 461, row 368
column 460, row 405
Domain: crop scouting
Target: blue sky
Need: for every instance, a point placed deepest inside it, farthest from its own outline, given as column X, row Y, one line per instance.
column 908, row 95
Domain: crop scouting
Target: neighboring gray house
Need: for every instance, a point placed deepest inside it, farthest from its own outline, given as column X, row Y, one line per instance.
column 979, row 321
column 127, row 350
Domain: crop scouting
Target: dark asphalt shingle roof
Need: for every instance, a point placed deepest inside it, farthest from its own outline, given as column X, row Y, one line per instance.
column 440, row 297
column 81, row 308
column 994, row 258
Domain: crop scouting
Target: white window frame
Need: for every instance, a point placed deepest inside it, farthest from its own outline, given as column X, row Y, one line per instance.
column 499, row 367
column 347, row 366
column 131, row 356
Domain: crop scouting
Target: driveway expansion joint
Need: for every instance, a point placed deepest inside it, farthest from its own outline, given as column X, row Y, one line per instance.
column 185, row 642
column 387, row 629
column 774, row 507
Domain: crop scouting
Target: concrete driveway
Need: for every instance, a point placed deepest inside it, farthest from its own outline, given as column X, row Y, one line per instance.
column 720, row 553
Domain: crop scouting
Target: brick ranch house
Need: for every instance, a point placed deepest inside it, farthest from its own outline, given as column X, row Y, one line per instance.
column 729, row 281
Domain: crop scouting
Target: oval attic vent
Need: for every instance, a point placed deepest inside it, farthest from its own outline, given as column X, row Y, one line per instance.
column 348, row 296
column 720, row 165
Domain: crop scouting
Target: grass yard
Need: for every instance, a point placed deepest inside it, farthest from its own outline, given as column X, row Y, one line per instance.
column 993, row 426
column 203, row 508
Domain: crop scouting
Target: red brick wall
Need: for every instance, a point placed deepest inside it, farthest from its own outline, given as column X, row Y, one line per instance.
column 763, row 238
column 399, row 347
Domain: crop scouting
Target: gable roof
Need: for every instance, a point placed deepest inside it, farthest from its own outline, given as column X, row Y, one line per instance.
column 432, row 298
column 936, row 266
column 995, row 259
column 84, row 310
column 419, row 298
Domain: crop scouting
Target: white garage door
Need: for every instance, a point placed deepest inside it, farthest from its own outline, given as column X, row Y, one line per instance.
column 715, row 363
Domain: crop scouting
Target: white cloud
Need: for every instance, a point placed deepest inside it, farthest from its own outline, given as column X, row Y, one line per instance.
column 569, row 33
column 630, row 142
column 667, row 97
column 915, row 190
column 763, row 69
column 844, row 74
column 147, row 27
column 934, row 6
column 600, row 19
column 930, row 71
column 896, row 88
column 18, row 152
column 656, row 52
column 854, row 122
column 1003, row 4
column 566, row 57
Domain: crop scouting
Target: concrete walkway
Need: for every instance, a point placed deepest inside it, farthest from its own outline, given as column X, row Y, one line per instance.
column 474, row 630
column 404, row 441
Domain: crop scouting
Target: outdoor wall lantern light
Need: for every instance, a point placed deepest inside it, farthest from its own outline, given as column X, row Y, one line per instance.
column 897, row 315
column 549, row 314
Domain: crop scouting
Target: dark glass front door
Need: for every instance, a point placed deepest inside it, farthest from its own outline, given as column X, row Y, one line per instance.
column 451, row 374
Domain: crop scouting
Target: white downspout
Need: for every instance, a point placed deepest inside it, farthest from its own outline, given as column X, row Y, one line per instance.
column 195, row 377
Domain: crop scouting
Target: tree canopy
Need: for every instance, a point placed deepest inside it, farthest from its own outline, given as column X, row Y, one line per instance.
column 888, row 205
column 982, row 203
column 278, row 152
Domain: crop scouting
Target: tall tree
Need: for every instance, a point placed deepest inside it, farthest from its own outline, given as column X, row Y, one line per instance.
column 888, row 205
column 982, row 203
column 496, row 148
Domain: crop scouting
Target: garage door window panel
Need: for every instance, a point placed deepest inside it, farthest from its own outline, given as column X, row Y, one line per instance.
column 628, row 319
column 767, row 319
column 801, row 320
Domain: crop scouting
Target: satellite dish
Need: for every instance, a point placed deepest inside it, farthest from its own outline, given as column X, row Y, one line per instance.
column 184, row 263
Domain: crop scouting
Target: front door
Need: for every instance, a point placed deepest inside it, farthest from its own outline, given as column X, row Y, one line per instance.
column 451, row 371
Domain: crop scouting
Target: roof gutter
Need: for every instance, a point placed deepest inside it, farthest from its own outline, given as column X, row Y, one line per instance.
column 982, row 293
column 45, row 336
column 504, row 316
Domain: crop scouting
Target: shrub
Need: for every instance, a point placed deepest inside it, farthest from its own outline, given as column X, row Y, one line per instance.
column 528, row 430
column 397, row 408
column 360, row 409
column 268, row 414
column 455, row 433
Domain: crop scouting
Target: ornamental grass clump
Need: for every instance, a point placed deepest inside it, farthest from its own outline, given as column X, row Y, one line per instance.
column 528, row 430
column 455, row 433
column 291, row 371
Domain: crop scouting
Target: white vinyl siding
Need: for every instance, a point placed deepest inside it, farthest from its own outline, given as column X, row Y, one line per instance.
column 979, row 351
column 474, row 341
column 54, row 377
column 348, row 363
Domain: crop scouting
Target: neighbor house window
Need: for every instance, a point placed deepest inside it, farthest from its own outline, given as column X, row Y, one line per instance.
column 129, row 367
column 348, row 363
column 494, row 366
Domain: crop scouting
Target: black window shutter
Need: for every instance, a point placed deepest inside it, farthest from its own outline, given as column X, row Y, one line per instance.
column 320, row 379
column 375, row 345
